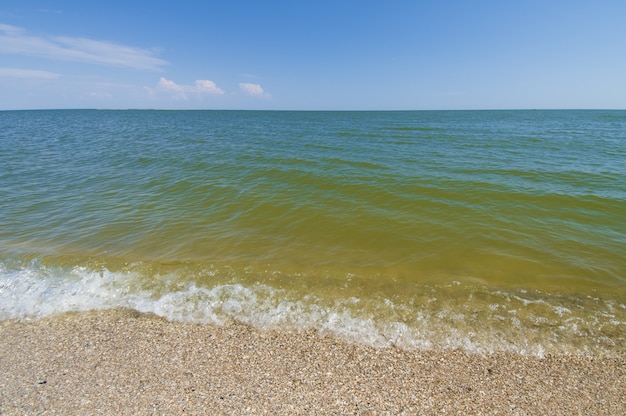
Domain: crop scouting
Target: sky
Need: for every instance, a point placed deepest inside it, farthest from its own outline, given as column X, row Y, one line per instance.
column 313, row 55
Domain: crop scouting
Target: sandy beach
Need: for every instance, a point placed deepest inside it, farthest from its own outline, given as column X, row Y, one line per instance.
column 124, row 362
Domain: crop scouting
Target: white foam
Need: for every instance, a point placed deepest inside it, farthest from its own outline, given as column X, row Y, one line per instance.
column 36, row 291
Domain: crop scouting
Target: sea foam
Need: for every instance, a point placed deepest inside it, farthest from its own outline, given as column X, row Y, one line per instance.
column 514, row 322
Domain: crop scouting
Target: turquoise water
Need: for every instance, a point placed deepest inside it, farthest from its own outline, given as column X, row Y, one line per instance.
column 481, row 230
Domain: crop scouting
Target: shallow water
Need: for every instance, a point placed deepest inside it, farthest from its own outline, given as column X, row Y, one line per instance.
column 482, row 230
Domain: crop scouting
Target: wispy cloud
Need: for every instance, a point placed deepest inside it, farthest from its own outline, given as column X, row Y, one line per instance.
column 200, row 87
column 27, row 73
column 15, row 40
column 254, row 90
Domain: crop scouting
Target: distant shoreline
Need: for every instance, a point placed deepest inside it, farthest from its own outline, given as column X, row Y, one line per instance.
column 122, row 361
column 316, row 110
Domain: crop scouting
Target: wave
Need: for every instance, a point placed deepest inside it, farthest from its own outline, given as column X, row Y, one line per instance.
column 448, row 316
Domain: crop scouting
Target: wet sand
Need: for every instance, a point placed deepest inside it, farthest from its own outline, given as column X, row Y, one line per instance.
column 123, row 362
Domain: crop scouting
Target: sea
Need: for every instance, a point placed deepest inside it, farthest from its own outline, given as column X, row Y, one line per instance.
column 484, row 231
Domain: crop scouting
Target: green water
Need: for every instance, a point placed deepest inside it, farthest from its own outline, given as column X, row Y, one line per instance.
column 483, row 230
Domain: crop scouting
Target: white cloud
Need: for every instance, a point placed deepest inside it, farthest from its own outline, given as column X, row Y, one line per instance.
column 15, row 40
column 201, row 86
column 206, row 86
column 27, row 73
column 169, row 85
column 253, row 89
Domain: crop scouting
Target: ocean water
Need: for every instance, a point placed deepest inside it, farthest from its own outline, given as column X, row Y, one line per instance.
column 479, row 230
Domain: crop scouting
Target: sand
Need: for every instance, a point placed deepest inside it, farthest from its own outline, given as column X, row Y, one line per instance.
column 123, row 362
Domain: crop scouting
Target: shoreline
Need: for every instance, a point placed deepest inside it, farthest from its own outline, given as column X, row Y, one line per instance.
column 124, row 362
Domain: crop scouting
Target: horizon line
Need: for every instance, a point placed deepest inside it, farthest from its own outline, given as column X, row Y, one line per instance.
column 309, row 110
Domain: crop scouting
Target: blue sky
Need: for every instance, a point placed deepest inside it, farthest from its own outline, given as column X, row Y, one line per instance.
column 313, row 55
